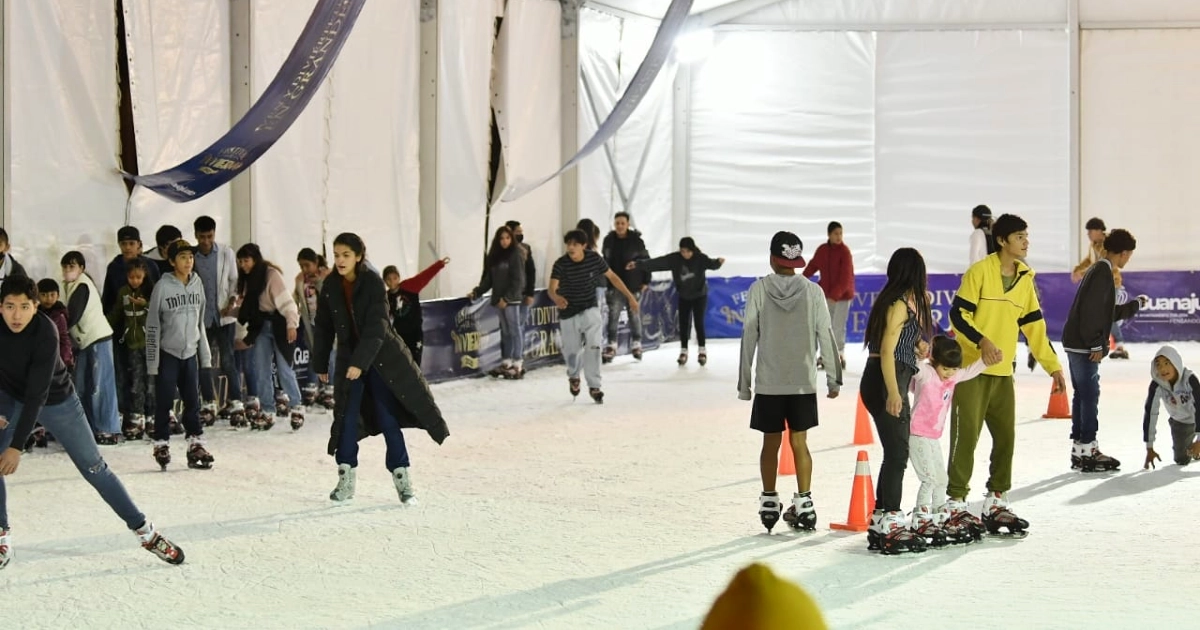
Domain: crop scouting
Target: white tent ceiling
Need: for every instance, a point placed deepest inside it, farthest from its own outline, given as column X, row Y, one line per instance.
column 656, row 8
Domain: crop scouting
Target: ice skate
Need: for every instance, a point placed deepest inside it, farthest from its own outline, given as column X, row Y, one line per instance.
column 610, row 353
column 158, row 545
column 928, row 525
column 107, row 439
column 404, row 487
column 6, row 552
column 683, row 357
column 574, row 385
column 308, row 395
column 326, row 398
column 36, row 438
column 1119, row 353
column 635, row 349
column 224, row 413
column 596, row 395
column 344, row 491
column 1092, row 460
column 281, row 405
column 197, row 456
column 997, row 516
column 162, row 454
column 500, row 370
column 514, row 372
column 801, row 515
column 768, row 509
column 173, row 420
column 890, row 535
column 237, row 415
column 702, row 357
column 133, row 426
column 297, row 418
column 968, row 526
column 208, row 414
column 263, row 421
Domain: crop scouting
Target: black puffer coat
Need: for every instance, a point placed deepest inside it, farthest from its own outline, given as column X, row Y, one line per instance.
column 378, row 347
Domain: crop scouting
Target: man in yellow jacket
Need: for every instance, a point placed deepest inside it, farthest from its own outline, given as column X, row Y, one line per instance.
column 997, row 300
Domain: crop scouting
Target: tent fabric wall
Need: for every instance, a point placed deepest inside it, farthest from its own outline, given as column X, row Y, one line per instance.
column 465, row 39
column 963, row 118
column 178, row 52
column 528, row 54
column 1142, row 10
column 60, row 66
column 1138, row 144
column 907, row 12
column 781, row 145
column 599, row 80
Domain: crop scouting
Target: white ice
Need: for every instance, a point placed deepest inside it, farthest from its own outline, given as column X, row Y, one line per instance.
column 543, row 512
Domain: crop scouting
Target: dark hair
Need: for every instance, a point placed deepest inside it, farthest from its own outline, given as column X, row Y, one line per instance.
column 166, row 235
column 204, row 224
column 576, row 236
column 73, row 257
column 47, row 285
column 356, row 245
column 1119, row 241
column 3, row 235
column 513, row 224
column 833, row 225
column 905, row 274
column 251, row 285
column 390, row 270
column 309, row 255
column 497, row 252
column 590, row 230
column 19, row 285
column 1007, row 225
column 945, row 352
column 1095, row 223
column 621, row 214
column 688, row 242
column 136, row 263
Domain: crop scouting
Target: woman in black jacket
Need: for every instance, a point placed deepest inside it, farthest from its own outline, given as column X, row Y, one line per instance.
column 687, row 267
column 382, row 389
column 504, row 276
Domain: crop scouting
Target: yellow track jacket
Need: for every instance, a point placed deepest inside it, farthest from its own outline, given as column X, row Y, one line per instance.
column 982, row 308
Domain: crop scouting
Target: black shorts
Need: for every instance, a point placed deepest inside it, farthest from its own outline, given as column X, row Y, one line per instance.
column 773, row 414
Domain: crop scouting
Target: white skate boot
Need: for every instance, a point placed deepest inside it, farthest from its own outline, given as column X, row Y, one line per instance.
column 890, row 534
column 801, row 514
column 404, row 487
column 769, row 509
column 345, row 485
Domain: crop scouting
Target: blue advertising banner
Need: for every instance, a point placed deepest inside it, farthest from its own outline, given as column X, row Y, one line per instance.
column 1173, row 313
column 462, row 337
column 280, row 105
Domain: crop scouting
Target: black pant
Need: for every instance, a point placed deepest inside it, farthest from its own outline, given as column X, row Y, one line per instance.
column 220, row 342
column 688, row 310
column 893, row 431
column 183, row 374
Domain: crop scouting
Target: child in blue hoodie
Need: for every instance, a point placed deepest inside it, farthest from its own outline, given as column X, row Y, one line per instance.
column 1175, row 387
column 176, row 350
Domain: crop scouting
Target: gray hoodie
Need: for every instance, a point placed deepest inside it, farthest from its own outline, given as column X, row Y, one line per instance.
column 175, row 322
column 786, row 321
column 1179, row 399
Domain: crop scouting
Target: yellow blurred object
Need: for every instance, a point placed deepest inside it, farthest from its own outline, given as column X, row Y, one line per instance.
column 757, row 599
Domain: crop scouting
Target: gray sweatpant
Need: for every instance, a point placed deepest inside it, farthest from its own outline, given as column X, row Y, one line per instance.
column 1182, row 435
column 839, row 314
column 581, row 339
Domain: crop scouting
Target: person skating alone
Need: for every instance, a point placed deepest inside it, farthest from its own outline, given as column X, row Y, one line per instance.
column 687, row 267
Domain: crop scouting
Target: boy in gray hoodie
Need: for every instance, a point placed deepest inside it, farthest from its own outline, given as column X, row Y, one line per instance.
column 786, row 321
column 1176, row 388
column 176, row 350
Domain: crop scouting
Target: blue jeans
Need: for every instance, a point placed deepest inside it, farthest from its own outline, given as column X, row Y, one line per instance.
column 69, row 425
column 183, row 374
column 617, row 302
column 1085, row 407
column 387, row 412
column 262, row 353
column 95, row 379
column 512, row 340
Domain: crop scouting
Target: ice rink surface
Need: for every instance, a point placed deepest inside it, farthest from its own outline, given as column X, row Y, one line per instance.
column 543, row 512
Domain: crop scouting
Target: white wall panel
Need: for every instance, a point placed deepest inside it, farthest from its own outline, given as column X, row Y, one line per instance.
column 1141, row 10
column 1139, row 136
column 887, row 12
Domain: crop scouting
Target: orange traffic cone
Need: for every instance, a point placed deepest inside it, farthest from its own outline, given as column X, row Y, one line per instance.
column 862, row 425
column 1059, row 407
column 1112, row 343
column 787, row 461
column 862, row 498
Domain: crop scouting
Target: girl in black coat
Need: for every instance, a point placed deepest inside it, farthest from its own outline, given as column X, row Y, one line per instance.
column 382, row 389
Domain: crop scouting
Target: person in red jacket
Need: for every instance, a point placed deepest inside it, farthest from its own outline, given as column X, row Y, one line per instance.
column 835, row 264
column 404, row 305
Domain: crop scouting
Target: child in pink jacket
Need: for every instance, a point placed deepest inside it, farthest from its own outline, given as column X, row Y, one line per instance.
column 934, row 387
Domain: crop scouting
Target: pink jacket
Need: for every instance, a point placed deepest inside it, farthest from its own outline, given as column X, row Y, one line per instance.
column 933, row 397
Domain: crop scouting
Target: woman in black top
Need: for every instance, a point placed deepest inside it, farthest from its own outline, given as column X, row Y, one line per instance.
column 504, row 276
column 382, row 389
column 687, row 267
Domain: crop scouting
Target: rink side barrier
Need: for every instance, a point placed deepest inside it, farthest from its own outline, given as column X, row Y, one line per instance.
column 1173, row 313
column 462, row 337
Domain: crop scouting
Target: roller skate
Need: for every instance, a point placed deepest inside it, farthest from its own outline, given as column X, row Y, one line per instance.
column 404, row 487
column 609, row 353
column 573, row 383
column 596, row 395
column 768, row 509
column 197, row 456
column 237, row 415
column 635, row 349
column 158, row 545
column 208, row 414
column 308, row 395
column 683, row 357
column 6, row 552
column 344, row 491
column 702, row 357
column 801, row 515
column 297, row 418
column 133, row 426
column 928, row 525
column 162, row 454
column 889, row 534
column 1090, row 459
column 966, row 526
column 997, row 516
column 326, row 398
column 281, row 404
